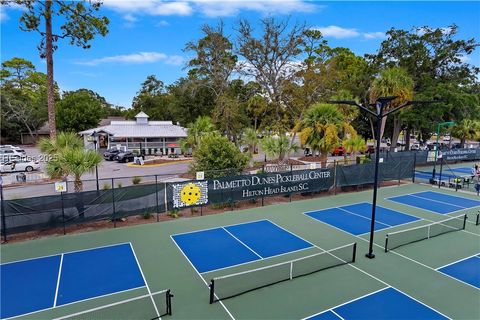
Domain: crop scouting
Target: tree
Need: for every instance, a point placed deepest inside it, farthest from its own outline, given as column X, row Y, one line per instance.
column 69, row 158
column 323, row 128
column 467, row 129
column 152, row 99
column 214, row 60
column 23, row 97
column 278, row 147
column 80, row 110
column 353, row 145
column 392, row 82
column 271, row 59
column 78, row 23
column 250, row 139
column 217, row 156
column 195, row 131
column 256, row 107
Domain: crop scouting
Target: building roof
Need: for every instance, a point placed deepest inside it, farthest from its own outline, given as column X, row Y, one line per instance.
column 131, row 129
column 142, row 114
column 108, row 120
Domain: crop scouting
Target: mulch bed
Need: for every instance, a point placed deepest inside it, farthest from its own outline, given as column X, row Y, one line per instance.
column 186, row 213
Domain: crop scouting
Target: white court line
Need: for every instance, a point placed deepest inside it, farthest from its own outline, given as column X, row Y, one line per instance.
column 58, row 281
column 204, row 281
column 392, row 251
column 333, row 311
column 70, row 303
column 261, row 258
column 144, row 280
column 220, row 227
column 107, row 306
column 370, row 294
column 449, row 264
column 359, row 215
column 442, row 202
column 74, row 251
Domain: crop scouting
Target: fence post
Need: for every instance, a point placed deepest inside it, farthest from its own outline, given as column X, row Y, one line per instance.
column 231, row 199
column 335, row 177
column 113, row 205
column 2, row 208
column 165, row 196
column 291, row 174
column 63, row 212
column 440, row 177
column 414, row 165
column 156, row 195
column 263, row 171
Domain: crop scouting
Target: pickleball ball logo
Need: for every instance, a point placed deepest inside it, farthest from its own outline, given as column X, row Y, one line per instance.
column 190, row 194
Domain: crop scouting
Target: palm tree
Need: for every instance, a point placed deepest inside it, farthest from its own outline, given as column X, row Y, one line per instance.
column 353, row 145
column 250, row 138
column 466, row 129
column 195, row 131
column 74, row 162
column 278, row 147
column 64, row 140
column 322, row 129
column 68, row 157
column 392, row 82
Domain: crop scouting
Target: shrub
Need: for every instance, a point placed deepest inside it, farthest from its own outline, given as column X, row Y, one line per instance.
column 173, row 213
column 119, row 185
column 136, row 180
column 147, row 215
column 216, row 154
column 106, row 186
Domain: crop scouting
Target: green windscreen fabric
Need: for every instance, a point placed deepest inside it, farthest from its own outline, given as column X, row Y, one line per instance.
column 365, row 173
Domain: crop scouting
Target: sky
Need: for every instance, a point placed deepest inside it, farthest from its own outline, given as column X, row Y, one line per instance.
column 148, row 36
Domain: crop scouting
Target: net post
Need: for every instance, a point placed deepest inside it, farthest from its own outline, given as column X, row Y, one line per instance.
column 354, row 252
column 386, row 242
column 169, row 297
column 156, row 197
column 212, row 291
column 63, row 213
column 478, row 218
column 113, row 204
column 464, row 221
column 291, row 270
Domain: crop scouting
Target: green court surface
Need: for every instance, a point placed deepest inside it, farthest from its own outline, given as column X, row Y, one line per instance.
column 410, row 269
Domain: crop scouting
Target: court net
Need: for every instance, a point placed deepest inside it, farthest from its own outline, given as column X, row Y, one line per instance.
column 139, row 308
column 235, row 284
column 396, row 239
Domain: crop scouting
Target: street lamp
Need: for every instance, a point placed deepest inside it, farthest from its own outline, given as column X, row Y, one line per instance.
column 379, row 114
column 439, row 125
column 95, row 136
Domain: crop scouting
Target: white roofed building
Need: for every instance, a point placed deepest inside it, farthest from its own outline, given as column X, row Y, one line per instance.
column 149, row 136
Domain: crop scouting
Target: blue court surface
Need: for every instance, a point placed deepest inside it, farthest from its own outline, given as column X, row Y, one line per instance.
column 428, row 175
column 355, row 218
column 385, row 304
column 47, row 282
column 436, row 202
column 224, row 247
column 466, row 270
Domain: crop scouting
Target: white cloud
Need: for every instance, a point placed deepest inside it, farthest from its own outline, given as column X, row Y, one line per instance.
column 210, row 8
column 150, row 7
column 3, row 15
column 338, row 32
column 136, row 58
column 130, row 18
column 215, row 8
column 162, row 23
column 374, row 35
column 343, row 33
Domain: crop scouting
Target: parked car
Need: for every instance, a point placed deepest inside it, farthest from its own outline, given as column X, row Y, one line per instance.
column 10, row 154
column 19, row 165
column 338, row 151
column 110, row 154
column 125, row 156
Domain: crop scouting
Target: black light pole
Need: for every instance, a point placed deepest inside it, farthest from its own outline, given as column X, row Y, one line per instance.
column 379, row 114
column 95, row 135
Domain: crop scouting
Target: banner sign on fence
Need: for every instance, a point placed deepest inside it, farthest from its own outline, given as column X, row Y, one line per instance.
column 242, row 187
column 459, row 154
